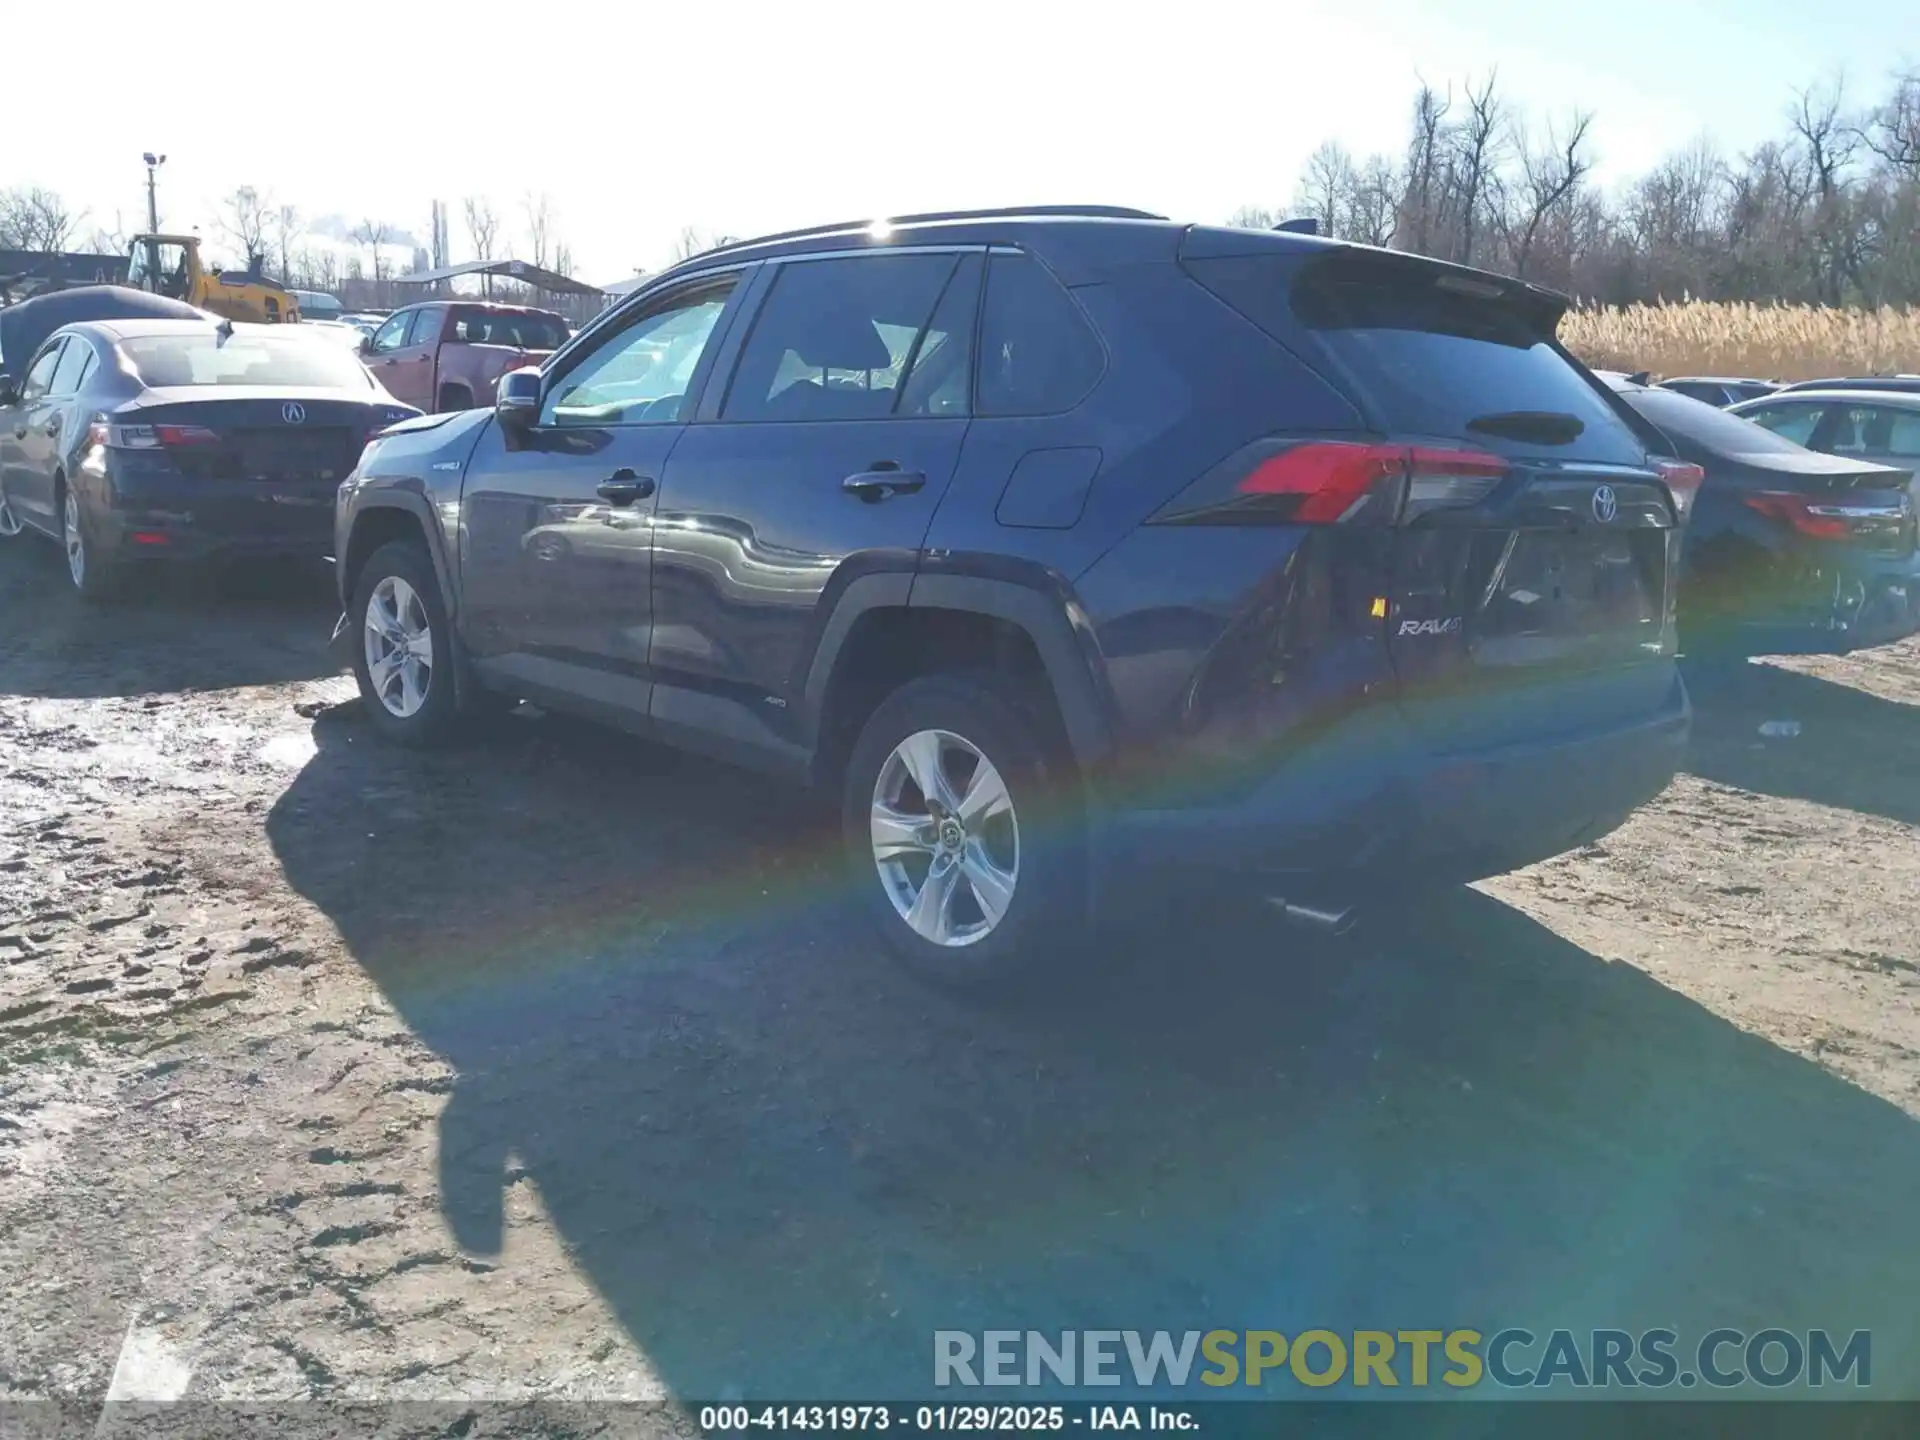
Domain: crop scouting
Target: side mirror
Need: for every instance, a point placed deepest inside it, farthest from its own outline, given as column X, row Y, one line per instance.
column 9, row 390
column 516, row 404
column 366, row 344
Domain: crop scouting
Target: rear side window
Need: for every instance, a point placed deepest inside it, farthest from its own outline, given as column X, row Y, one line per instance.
column 1038, row 355
column 73, row 366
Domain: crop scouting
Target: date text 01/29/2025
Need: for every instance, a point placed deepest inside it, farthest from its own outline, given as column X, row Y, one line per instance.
column 992, row 1419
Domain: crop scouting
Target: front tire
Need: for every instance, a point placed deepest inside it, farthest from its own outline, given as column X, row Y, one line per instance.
column 10, row 525
column 403, row 647
column 963, row 839
column 453, row 398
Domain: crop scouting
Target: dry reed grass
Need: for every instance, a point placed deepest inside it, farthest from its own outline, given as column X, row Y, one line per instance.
column 1780, row 342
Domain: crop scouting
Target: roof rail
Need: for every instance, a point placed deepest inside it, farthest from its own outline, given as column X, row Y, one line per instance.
column 1010, row 212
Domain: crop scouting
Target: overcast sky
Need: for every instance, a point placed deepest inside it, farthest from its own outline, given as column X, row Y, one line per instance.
column 747, row 117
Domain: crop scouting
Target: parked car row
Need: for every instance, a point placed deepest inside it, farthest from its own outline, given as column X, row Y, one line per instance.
column 1062, row 546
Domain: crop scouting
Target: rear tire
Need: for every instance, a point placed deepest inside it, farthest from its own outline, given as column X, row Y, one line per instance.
column 10, row 525
column 94, row 573
column 973, row 888
column 454, row 397
column 403, row 647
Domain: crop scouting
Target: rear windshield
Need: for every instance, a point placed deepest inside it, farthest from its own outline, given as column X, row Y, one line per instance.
column 1707, row 426
column 255, row 358
column 525, row 332
column 1431, row 352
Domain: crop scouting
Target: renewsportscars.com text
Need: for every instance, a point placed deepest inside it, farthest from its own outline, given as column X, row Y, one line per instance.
column 1418, row 1359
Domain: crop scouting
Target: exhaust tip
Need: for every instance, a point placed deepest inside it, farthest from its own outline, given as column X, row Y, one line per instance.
column 1322, row 919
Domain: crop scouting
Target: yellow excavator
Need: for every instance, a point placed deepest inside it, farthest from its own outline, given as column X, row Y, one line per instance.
column 170, row 265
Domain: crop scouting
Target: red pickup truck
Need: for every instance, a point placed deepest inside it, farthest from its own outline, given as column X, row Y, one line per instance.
column 450, row 354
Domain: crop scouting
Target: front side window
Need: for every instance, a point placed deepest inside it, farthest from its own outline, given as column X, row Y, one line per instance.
column 40, row 374
column 639, row 375
column 1038, row 355
column 835, row 337
column 426, row 325
column 1791, row 422
column 393, row 334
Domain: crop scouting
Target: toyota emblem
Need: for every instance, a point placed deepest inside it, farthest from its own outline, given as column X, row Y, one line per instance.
column 294, row 413
column 1606, row 504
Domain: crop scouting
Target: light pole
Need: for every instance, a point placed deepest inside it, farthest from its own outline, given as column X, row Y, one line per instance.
column 154, row 162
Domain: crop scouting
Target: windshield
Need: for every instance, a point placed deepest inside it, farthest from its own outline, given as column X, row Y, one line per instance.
column 1707, row 426
column 161, row 267
column 243, row 359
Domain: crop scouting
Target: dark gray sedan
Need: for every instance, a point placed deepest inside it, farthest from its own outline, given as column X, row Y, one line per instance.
column 136, row 441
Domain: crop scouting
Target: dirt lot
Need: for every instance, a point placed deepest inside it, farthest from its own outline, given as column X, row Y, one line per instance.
column 546, row 1068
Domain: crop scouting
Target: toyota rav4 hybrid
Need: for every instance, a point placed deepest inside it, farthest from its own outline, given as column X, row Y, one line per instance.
column 1060, row 544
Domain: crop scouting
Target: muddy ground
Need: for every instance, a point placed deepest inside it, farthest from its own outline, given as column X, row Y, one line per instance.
column 547, row 1067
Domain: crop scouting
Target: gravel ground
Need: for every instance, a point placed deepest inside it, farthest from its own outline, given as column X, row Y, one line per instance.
column 546, row 1069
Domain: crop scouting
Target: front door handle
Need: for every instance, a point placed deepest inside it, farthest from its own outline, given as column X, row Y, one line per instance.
column 623, row 487
column 883, row 480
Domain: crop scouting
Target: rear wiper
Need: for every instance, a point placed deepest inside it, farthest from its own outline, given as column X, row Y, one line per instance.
column 1543, row 427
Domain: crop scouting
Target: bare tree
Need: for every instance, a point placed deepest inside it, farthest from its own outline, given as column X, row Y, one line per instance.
column 286, row 226
column 244, row 218
column 1253, row 217
column 1894, row 132
column 373, row 234
column 110, row 242
column 1831, row 141
column 483, row 226
column 1325, row 191
column 1373, row 210
column 1548, row 176
column 562, row 259
column 539, row 225
column 1426, row 153
column 694, row 241
column 34, row 218
column 1478, row 142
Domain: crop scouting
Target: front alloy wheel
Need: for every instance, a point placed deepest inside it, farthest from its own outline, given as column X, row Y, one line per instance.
column 398, row 635
column 9, row 522
column 945, row 837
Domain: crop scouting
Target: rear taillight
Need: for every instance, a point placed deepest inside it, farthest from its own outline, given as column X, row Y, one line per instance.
column 1826, row 520
column 1683, row 483
column 150, row 437
column 1324, row 482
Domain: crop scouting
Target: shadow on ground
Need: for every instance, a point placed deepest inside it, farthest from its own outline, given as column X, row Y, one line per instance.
column 1855, row 751
column 180, row 629
column 785, row 1166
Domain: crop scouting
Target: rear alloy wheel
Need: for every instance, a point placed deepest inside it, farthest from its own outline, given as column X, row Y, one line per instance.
column 92, row 574
column 404, row 658
column 945, row 837
column 966, row 851
column 9, row 522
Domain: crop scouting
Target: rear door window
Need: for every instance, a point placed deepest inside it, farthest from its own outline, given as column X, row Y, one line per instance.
column 40, row 374
column 834, row 338
column 1038, row 354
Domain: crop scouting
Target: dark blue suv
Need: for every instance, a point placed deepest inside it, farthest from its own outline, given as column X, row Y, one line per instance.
column 1061, row 543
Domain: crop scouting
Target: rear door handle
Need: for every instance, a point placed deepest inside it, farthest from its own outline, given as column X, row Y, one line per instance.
column 878, row 483
column 623, row 487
